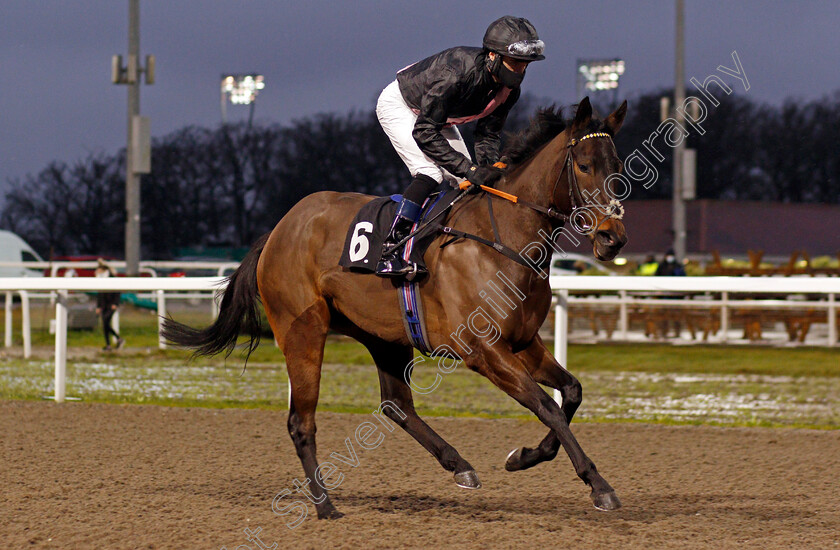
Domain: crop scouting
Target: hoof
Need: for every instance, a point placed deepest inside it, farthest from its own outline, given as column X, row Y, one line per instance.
column 513, row 462
column 467, row 480
column 606, row 502
column 330, row 514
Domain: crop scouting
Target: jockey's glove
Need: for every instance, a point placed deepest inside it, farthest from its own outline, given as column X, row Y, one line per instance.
column 482, row 175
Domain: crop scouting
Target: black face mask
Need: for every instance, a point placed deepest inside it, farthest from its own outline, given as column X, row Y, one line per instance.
column 509, row 78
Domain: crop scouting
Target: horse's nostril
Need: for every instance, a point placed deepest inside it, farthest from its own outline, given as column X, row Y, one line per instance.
column 606, row 238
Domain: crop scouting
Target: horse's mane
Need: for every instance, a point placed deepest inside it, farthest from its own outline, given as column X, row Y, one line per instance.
column 547, row 124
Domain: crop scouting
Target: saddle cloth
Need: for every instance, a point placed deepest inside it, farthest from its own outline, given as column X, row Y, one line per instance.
column 369, row 229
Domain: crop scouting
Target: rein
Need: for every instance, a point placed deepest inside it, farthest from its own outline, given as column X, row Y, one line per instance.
column 550, row 211
column 613, row 210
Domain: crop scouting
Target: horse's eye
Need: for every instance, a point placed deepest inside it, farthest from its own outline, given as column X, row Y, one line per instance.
column 584, row 168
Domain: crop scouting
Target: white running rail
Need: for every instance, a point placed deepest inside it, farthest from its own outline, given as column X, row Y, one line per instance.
column 828, row 286
column 63, row 285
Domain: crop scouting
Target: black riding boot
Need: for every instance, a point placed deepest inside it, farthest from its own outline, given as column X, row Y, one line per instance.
column 392, row 264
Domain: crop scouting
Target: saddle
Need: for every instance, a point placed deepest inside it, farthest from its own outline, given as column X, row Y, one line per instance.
column 369, row 229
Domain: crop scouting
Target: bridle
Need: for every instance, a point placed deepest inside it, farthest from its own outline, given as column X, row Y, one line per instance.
column 612, row 210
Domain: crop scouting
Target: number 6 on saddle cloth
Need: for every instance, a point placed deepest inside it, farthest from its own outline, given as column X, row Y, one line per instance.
column 369, row 229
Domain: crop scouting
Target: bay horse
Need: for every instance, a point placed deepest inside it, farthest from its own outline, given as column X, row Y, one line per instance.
column 294, row 271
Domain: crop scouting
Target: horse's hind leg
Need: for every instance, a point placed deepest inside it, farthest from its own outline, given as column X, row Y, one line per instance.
column 548, row 372
column 391, row 360
column 304, row 351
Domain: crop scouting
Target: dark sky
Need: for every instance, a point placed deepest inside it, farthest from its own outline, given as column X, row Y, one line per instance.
column 332, row 56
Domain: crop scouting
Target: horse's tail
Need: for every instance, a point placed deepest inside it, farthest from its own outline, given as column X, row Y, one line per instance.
column 238, row 313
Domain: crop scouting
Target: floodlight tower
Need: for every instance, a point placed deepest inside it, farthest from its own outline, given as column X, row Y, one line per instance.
column 138, row 148
column 241, row 89
column 599, row 78
column 678, row 201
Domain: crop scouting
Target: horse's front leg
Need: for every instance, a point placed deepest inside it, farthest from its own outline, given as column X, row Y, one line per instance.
column 503, row 368
column 547, row 371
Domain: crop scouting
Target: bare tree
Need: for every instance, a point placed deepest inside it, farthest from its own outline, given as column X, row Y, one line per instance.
column 230, row 184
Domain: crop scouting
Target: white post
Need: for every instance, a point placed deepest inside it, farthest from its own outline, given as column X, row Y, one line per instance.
column 624, row 318
column 115, row 321
column 161, row 311
column 724, row 316
column 60, row 345
column 27, row 325
column 832, row 321
column 561, row 334
column 8, row 319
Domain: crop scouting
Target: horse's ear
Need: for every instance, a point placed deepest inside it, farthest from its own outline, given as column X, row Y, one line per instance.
column 583, row 114
column 616, row 119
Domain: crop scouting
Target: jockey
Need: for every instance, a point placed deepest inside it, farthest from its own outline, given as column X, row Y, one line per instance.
column 420, row 109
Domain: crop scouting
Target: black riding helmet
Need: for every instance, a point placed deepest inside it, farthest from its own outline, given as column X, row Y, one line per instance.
column 514, row 37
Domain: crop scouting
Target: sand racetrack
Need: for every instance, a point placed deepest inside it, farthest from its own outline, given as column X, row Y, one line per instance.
column 110, row 476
